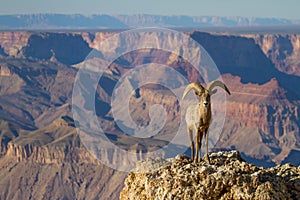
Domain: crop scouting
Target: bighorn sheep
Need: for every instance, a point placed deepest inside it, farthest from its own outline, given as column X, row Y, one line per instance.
column 198, row 116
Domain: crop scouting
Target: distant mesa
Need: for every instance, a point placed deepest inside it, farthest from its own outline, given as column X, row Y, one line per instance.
column 59, row 21
column 62, row 21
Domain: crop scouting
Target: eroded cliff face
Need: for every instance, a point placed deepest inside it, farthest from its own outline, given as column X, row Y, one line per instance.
column 262, row 118
column 268, row 122
column 260, row 121
column 262, row 110
column 40, row 173
column 282, row 49
column 13, row 42
column 49, row 154
column 228, row 176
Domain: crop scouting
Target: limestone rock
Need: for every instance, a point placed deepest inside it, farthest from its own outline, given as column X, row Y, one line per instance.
column 228, row 176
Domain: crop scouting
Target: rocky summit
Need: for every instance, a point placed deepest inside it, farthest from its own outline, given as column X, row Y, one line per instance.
column 228, row 176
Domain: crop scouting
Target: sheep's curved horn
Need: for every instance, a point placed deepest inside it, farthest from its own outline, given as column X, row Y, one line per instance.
column 196, row 86
column 213, row 84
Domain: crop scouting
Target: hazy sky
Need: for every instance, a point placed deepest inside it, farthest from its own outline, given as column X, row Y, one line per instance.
column 250, row 8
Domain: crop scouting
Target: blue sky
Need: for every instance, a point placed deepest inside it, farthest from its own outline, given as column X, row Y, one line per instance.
column 247, row 8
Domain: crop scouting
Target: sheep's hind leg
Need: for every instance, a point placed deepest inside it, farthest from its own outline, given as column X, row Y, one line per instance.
column 206, row 143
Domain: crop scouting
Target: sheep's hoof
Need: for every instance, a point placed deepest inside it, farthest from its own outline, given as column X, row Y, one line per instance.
column 207, row 159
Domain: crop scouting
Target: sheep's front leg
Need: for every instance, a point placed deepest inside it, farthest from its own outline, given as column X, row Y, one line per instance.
column 206, row 143
column 198, row 145
column 190, row 132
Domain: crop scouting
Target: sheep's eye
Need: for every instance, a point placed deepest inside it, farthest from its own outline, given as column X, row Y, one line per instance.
column 197, row 93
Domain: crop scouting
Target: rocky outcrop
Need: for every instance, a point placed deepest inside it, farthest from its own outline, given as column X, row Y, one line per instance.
column 228, row 176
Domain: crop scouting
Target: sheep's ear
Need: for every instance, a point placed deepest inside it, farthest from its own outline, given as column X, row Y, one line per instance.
column 213, row 92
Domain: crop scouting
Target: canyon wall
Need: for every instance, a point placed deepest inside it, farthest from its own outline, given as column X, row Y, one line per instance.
column 38, row 132
column 282, row 49
column 13, row 42
column 263, row 98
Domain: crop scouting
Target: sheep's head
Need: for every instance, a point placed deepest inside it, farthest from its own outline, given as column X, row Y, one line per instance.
column 205, row 93
column 204, row 97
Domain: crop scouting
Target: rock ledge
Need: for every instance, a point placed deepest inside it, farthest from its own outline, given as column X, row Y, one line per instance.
column 227, row 177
